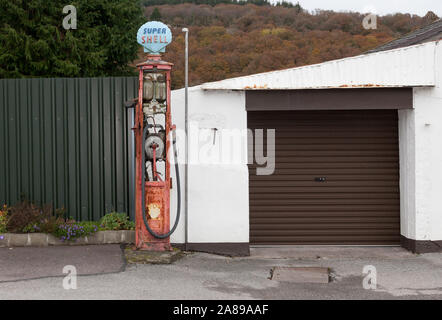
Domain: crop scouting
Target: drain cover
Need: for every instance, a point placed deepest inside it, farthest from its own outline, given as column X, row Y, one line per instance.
column 300, row 274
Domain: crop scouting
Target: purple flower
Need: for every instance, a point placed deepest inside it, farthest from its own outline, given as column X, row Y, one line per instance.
column 2, row 237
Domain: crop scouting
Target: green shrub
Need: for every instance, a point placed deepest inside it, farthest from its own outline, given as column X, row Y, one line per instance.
column 116, row 221
column 28, row 217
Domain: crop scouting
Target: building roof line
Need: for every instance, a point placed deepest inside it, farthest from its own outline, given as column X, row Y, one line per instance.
column 391, row 68
column 430, row 31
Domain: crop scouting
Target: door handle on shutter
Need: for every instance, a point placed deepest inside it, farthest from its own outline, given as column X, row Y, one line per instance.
column 320, row 179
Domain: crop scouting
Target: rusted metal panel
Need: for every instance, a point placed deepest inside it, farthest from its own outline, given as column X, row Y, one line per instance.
column 329, row 99
column 413, row 66
column 357, row 201
column 64, row 141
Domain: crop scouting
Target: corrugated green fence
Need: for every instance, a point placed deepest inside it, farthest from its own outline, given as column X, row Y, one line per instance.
column 66, row 142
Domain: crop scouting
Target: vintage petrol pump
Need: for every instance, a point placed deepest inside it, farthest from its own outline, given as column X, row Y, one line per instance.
column 153, row 128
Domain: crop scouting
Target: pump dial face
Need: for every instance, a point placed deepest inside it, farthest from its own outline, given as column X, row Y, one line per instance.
column 154, row 141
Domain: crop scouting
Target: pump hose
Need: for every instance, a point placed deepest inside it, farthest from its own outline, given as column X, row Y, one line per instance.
column 143, row 185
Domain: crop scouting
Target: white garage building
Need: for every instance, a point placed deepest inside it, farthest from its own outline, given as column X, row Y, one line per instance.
column 357, row 156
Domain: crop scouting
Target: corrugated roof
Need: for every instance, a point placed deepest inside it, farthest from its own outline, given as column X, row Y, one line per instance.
column 428, row 33
column 390, row 68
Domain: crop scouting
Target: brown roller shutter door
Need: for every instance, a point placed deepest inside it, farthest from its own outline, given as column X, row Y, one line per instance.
column 357, row 154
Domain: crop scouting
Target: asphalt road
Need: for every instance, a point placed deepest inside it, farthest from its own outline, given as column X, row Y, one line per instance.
column 26, row 263
column 36, row 273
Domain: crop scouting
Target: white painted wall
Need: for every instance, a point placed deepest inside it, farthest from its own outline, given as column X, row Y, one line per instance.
column 420, row 135
column 407, row 175
column 177, row 105
column 218, row 193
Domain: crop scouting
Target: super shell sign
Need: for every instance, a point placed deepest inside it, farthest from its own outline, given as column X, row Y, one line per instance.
column 154, row 36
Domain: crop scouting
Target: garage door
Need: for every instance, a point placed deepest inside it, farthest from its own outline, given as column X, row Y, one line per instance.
column 336, row 179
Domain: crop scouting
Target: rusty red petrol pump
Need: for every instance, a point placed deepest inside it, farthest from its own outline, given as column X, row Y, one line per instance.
column 153, row 128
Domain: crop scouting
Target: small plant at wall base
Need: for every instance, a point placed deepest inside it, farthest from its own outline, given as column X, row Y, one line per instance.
column 116, row 221
column 46, row 222
column 3, row 218
column 71, row 230
column 28, row 217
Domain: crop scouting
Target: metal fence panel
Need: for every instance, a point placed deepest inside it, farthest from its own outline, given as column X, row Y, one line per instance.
column 67, row 141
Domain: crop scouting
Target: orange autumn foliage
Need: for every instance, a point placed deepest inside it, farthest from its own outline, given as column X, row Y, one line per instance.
column 228, row 40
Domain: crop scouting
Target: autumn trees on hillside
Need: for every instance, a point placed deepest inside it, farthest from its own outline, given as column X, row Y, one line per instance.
column 229, row 40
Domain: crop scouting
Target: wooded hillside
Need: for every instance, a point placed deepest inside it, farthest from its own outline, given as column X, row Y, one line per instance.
column 230, row 40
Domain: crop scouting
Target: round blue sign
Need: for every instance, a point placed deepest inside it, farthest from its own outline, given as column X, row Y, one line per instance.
column 154, row 36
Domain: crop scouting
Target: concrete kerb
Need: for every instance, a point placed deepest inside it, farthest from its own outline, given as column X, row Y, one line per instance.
column 44, row 240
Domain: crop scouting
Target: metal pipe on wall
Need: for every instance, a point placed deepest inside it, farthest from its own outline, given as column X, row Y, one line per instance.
column 186, row 125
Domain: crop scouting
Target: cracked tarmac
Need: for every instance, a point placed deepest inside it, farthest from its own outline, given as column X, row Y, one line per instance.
column 36, row 273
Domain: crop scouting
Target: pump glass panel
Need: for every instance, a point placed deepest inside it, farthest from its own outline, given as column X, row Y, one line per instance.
column 154, row 111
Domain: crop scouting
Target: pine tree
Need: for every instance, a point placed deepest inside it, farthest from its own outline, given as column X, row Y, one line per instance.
column 156, row 15
column 33, row 42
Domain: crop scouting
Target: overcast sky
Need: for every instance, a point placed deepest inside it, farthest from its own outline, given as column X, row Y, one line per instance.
column 381, row 7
